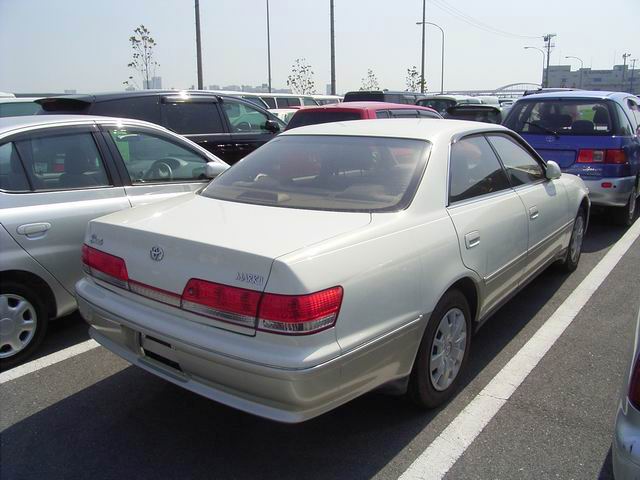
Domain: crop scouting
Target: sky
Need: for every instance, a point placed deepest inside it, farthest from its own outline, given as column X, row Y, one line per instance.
column 53, row 45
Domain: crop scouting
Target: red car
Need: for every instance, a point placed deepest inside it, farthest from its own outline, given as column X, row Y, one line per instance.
column 340, row 112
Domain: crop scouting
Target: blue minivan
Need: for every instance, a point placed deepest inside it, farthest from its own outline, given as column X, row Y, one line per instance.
column 595, row 135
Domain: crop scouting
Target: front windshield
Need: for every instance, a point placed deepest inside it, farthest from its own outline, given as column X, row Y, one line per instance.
column 560, row 117
column 322, row 172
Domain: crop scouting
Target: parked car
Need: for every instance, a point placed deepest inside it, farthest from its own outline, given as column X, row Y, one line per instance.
column 382, row 246
column 282, row 100
column 440, row 103
column 590, row 134
column 56, row 174
column 626, row 436
column 409, row 98
column 284, row 114
column 475, row 113
column 340, row 112
column 227, row 126
column 16, row 107
column 549, row 90
column 327, row 99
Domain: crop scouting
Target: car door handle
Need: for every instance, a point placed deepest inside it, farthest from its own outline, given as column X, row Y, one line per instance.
column 534, row 213
column 472, row 239
column 33, row 229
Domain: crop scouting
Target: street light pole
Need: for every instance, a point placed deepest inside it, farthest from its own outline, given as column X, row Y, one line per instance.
column 268, row 47
column 581, row 66
column 633, row 69
column 543, row 61
column 424, row 27
column 333, row 49
column 441, row 53
column 624, row 67
column 198, row 46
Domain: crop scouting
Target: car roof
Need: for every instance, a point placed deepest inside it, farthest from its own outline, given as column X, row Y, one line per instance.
column 413, row 128
column 18, row 99
column 576, row 94
column 8, row 124
column 445, row 96
column 366, row 106
column 106, row 96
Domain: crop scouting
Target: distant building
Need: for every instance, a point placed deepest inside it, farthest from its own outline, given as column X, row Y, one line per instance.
column 328, row 89
column 70, row 92
column 620, row 78
column 155, row 83
column 214, row 87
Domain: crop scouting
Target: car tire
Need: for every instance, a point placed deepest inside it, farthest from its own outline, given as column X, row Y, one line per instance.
column 23, row 323
column 624, row 216
column 434, row 381
column 574, row 250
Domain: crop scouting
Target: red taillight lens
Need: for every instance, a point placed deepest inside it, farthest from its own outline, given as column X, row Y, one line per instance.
column 299, row 314
column 591, row 156
column 228, row 304
column 618, row 157
column 105, row 267
column 634, row 385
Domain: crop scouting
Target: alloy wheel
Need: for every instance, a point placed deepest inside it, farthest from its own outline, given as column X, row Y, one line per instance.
column 18, row 322
column 576, row 238
column 448, row 349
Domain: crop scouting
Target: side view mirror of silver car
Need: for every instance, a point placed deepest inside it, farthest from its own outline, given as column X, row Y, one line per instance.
column 213, row 169
column 553, row 170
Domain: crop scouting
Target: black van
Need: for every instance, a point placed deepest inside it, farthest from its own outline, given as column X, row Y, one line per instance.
column 229, row 127
column 409, row 98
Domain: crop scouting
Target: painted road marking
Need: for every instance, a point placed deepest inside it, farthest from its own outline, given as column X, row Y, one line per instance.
column 47, row 361
column 448, row 447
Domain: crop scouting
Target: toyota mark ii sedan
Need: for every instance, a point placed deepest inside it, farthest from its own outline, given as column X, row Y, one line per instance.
column 335, row 259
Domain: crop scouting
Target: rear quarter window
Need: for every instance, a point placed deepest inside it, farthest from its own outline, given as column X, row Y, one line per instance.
column 140, row 108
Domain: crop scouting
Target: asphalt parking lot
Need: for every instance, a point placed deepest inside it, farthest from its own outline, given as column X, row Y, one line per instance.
column 94, row 416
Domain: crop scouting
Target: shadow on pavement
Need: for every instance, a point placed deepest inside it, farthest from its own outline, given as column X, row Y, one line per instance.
column 606, row 472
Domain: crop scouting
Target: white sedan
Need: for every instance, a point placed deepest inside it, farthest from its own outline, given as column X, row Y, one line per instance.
column 336, row 259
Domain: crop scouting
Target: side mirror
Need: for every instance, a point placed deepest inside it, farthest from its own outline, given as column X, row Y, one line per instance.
column 213, row 169
column 272, row 126
column 553, row 170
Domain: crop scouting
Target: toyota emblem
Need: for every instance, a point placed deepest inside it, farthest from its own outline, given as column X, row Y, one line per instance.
column 156, row 253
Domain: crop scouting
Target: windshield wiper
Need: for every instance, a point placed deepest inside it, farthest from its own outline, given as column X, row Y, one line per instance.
column 548, row 130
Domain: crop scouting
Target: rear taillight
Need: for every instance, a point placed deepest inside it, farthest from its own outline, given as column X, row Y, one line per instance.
column 299, row 314
column 222, row 302
column 104, row 266
column 283, row 314
column 614, row 156
column 618, row 157
column 591, row 156
column 634, row 385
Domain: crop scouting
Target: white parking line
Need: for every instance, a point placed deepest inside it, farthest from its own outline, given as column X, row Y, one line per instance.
column 448, row 447
column 43, row 362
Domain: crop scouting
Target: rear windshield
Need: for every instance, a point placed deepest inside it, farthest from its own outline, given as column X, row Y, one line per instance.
column 439, row 105
column 323, row 172
column 474, row 114
column 561, row 117
column 364, row 97
column 302, row 118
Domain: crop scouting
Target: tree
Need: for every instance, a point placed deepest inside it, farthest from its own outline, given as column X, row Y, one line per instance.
column 301, row 78
column 142, row 59
column 414, row 82
column 370, row 82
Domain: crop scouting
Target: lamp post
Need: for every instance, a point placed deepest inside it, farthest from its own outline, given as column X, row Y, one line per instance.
column 441, row 54
column 542, row 52
column 581, row 66
column 268, row 47
column 198, row 46
column 333, row 48
column 424, row 26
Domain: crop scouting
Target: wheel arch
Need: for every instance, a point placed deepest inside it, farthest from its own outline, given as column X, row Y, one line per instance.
column 468, row 287
column 34, row 281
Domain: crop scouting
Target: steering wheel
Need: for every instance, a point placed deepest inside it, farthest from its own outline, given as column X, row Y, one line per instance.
column 243, row 126
column 159, row 170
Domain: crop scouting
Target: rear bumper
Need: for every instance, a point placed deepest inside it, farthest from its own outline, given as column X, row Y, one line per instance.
column 626, row 443
column 277, row 393
column 615, row 196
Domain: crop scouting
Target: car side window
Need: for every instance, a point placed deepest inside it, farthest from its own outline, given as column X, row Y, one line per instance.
column 149, row 158
column 269, row 101
column 193, row 117
column 427, row 114
column 623, row 121
column 404, row 113
column 63, row 162
column 244, row 118
column 635, row 112
column 12, row 175
column 474, row 170
column 309, row 101
column 382, row 114
column 521, row 166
